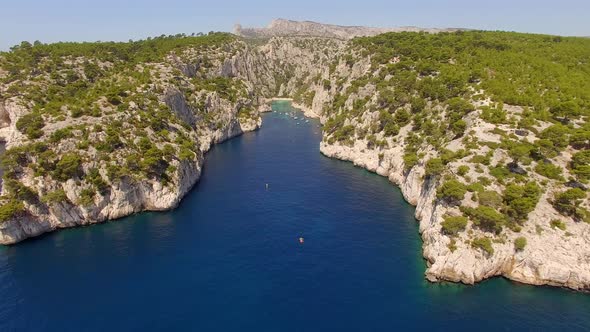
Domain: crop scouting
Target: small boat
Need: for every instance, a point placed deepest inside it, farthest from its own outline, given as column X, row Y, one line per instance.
column 301, row 240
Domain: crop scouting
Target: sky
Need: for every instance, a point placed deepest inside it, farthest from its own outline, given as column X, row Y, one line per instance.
column 120, row 20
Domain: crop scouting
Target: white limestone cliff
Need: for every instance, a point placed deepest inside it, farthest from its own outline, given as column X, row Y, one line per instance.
column 124, row 198
column 550, row 258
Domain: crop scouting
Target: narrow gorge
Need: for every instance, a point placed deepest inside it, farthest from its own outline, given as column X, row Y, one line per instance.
column 495, row 160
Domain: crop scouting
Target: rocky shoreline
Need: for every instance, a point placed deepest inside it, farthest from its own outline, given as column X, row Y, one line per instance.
column 125, row 198
column 546, row 261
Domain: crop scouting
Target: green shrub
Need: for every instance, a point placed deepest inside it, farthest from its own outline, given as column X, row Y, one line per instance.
column 568, row 201
column 153, row 163
column 486, row 218
column 549, row 170
column 452, row 245
column 19, row 191
column 11, row 209
column 116, row 172
column 479, row 159
column 86, row 197
column 458, row 127
column 387, row 123
column 566, row 110
column 580, row 139
column 451, row 191
column 83, row 144
column 483, row 243
column 484, row 181
column 500, row 172
column 558, row 135
column 556, row 223
column 31, row 125
column 60, row 134
column 544, row 149
column 518, row 152
column 186, row 154
column 93, row 176
column 344, row 134
column 462, row 170
column 55, row 197
column 521, row 200
column 434, row 167
column 475, row 187
column 460, row 105
column 418, row 104
column 68, row 167
column 401, row 117
column 493, row 115
column 581, row 164
column 391, row 129
column 520, row 243
column 410, row 160
column 452, row 225
column 490, row 198
column 14, row 158
column 448, row 156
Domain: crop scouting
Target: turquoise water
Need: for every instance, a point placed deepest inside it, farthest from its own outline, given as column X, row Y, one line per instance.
column 229, row 258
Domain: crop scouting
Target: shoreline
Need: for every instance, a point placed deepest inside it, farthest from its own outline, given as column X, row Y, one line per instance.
column 47, row 226
column 425, row 212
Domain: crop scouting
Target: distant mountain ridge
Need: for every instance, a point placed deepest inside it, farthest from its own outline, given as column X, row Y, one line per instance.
column 283, row 27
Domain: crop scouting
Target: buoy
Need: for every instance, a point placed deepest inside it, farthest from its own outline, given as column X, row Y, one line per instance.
column 301, row 240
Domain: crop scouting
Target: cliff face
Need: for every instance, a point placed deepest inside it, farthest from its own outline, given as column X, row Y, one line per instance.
column 109, row 182
column 548, row 259
column 127, row 196
column 552, row 256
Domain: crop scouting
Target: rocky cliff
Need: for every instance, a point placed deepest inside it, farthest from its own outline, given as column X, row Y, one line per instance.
column 449, row 155
column 550, row 257
column 124, row 197
column 144, row 156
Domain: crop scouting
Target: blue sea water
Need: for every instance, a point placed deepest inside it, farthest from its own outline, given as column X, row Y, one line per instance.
column 229, row 258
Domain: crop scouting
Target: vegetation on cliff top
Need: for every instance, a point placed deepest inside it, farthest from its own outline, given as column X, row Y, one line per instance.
column 501, row 115
column 105, row 112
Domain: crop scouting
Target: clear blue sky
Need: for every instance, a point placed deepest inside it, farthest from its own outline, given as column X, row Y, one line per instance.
column 82, row 20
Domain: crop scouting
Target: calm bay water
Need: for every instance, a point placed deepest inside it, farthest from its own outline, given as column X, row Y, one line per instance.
column 229, row 259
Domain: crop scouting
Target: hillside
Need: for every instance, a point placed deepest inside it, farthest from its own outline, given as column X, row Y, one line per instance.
column 485, row 132
column 99, row 131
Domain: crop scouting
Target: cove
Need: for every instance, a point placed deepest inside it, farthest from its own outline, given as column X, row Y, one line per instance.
column 228, row 258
